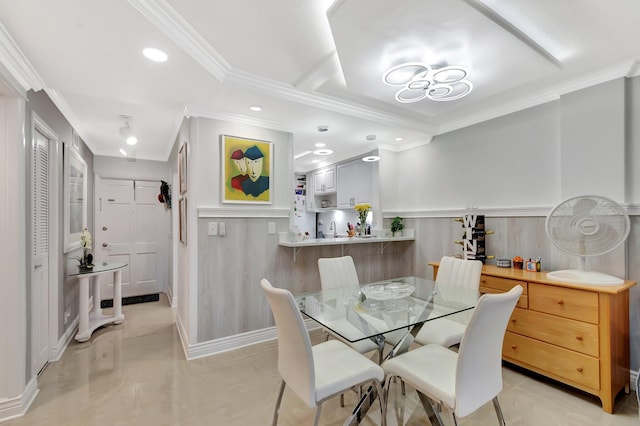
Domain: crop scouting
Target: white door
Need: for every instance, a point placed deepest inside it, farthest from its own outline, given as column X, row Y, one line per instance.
column 40, row 253
column 129, row 228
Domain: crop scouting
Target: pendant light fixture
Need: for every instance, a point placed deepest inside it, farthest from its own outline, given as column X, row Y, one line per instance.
column 126, row 131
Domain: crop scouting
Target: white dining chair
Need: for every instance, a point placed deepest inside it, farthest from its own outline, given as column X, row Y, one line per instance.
column 453, row 273
column 336, row 272
column 461, row 381
column 315, row 373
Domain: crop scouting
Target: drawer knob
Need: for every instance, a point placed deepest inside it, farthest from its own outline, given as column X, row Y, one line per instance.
column 560, row 302
column 579, row 369
column 579, row 338
column 513, row 347
column 513, row 320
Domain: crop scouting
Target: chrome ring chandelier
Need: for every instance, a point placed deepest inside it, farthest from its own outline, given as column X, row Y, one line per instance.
column 419, row 80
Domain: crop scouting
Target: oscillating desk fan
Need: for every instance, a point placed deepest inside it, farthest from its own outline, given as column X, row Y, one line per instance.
column 585, row 226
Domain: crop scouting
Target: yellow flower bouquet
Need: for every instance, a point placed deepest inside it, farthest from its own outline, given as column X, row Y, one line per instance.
column 363, row 210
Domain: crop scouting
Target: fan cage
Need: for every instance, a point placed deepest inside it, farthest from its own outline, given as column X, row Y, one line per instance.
column 587, row 225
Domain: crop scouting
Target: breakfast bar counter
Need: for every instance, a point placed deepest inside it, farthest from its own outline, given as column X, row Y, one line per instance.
column 340, row 241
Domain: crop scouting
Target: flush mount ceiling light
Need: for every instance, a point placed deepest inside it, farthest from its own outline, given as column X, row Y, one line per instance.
column 418, row 80
column 126, row 132
column 323, row 152
column 256, row 108
column 155, row 55
column 370, row 158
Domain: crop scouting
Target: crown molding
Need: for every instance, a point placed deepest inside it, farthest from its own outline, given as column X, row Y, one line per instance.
column 17, row 64
column 173, row 25
column 287, row 92
column 603, row 75
column 200, row 111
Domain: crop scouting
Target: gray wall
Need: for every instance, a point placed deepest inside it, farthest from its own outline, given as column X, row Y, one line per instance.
column 41, row 104
column 587, row 142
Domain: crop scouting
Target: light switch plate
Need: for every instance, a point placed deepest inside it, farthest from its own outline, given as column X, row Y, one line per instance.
column 222, row 229
column 213, row 228
column 271, row 228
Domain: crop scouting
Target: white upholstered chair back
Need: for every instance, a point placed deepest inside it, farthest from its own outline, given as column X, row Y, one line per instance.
column 337, row 272
column 454, row 273
column 295, row 357
column 479, row 364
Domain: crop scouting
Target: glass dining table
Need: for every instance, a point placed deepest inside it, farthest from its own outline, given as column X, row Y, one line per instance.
column 386, row 312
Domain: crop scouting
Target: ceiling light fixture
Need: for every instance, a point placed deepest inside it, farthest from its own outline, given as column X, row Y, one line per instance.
column 256, row 108
column 371, row 158
column 301, row 155
column 155, row 55
column 323, row 152
column 398, row 139
column 126, row 132
column 419, row 80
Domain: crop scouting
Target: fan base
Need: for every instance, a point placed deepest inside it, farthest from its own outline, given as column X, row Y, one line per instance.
column 584, row 277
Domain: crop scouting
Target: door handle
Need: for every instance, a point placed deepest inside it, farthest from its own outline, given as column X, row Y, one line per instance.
column 37, row 266
column 104, row 244
column 104, row 228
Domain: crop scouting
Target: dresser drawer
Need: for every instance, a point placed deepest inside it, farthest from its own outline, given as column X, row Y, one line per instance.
column 522, row 300
column 564, row 332
column 502, row 284
column 565, row 302
column 556, row 361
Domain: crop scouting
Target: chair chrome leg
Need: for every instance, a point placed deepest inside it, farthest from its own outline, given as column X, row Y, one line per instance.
column 434, row 416
column 278, row 401
column 341, row 400
column 317, row 419
column 496, row 405
column 402, row 387
column 382, row 397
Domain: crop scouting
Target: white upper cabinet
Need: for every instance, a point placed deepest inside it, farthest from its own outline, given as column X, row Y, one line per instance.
column 325, row 180
column 355, row 183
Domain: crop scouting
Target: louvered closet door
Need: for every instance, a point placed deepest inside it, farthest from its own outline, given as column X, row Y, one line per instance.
column 40, row 253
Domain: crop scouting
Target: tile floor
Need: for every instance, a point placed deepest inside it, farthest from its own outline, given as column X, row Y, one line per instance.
column 135, row 373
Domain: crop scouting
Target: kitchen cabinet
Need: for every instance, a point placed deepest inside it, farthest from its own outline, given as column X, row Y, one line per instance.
column 575, row 334
column 311, row 202
column 325, row 180
column 354, row 183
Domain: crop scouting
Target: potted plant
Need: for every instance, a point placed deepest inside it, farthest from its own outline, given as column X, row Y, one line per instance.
column 396, row 225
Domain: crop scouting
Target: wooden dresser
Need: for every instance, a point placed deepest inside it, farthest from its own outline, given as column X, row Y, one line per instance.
column 578, row 335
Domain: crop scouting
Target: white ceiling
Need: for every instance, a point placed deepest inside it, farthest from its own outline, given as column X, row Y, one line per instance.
column 306, row 65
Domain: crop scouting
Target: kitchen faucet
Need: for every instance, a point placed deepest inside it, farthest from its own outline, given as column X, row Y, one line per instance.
column 335, row 230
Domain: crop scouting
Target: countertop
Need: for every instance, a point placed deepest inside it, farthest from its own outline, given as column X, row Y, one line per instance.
column 341, row 240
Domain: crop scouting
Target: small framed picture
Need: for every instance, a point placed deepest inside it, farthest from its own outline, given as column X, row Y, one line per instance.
column 531, row 266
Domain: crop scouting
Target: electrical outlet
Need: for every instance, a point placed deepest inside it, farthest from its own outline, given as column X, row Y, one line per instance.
column 222, row 229
column 271, row 228
column 213, row 228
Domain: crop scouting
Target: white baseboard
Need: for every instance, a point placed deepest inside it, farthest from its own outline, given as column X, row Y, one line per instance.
column 634, row 379
column 16, row 407
column 212, row 347
column 56, row 352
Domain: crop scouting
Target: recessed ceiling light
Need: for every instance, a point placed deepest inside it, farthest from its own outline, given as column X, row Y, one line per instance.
column 320, row 145
column 256, row 108
column 132, row 140
column 154, row 54
column 399, row 139
column 323, row 152
column 371, row 158
column 123, row 152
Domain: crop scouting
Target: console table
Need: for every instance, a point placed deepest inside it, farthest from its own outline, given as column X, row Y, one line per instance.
column 89, row 321
column 574, row 333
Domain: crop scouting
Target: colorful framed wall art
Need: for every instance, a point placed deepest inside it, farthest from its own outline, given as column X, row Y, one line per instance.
column 247, row 170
